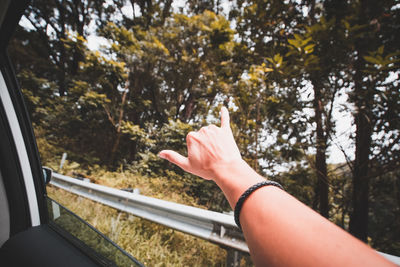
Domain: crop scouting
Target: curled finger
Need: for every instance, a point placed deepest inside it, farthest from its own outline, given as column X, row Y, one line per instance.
column 192, row 136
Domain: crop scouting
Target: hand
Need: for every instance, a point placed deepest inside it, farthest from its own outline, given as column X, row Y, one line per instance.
column 210, row 151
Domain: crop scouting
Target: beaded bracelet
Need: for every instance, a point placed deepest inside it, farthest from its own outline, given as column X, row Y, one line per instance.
column 246, row 194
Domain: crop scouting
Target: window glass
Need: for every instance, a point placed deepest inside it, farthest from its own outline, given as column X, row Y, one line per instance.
column 88, row 235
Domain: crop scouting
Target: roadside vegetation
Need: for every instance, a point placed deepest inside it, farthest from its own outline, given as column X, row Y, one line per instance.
column 150, row 243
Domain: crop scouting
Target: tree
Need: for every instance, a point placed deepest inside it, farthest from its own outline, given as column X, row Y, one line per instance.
column 273, row 29
column 55, row 23
column 375, row 58
column 175, row 70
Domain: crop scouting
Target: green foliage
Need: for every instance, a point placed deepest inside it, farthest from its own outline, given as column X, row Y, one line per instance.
column 299, row 182
column 377, row 61
column 385, row 223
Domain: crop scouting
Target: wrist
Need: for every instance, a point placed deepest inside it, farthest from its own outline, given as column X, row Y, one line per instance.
column 236, row 178
column 233, row 171
column 247, row 193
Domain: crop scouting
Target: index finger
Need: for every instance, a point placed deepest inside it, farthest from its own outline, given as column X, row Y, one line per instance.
column 225, row 118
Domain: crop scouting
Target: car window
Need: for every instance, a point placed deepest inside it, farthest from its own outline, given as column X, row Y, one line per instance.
column 87, row 236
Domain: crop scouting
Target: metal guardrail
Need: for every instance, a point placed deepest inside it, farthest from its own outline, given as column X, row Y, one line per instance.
column 213, row 226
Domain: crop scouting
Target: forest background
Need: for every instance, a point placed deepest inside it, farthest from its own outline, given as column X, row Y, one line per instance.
column 284, row 68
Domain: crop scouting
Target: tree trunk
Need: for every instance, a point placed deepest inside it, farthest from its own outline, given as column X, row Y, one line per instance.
column 256, row 134
column 322, row 189
column 320, row 157
column 188, row 110
column 62, row 83
column 363, row 99
column 359, row 216
column 118, row 129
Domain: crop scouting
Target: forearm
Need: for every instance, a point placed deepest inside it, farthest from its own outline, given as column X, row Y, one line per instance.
column 281, row 231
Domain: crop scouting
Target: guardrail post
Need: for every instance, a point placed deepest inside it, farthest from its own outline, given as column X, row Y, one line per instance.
column 136, row 191
column 233, row 258
column 63, row 158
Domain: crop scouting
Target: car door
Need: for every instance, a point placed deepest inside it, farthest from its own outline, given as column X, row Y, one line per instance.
column 34, row 229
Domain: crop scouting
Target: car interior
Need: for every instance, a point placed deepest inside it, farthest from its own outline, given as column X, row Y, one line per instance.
column 5, row 215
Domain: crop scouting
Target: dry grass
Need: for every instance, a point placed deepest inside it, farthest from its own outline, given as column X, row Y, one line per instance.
column 150, row 243
column 157, row 187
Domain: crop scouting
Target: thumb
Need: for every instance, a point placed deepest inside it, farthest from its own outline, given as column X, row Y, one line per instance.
column 175, row 158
